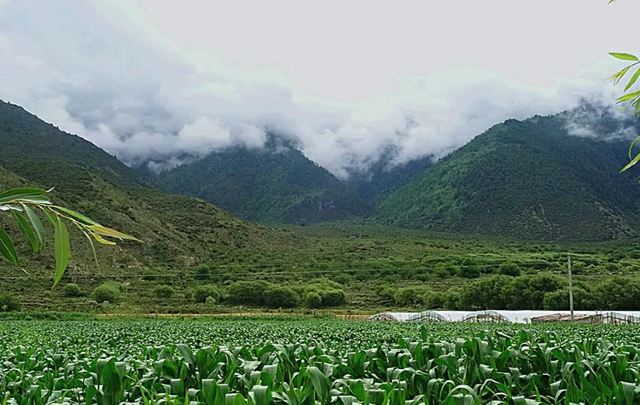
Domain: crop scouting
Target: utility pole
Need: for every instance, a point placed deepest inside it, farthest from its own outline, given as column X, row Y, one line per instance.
column 570, row 287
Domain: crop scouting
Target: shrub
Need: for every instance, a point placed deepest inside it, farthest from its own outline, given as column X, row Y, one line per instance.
column 203, row 292
column 71, row 290
column 410, row 296
column 559, row 300
column 248, row 292
column 509, row 269
column 202, row 273
column 163, row 291
column 9, row 303
column 434, row 300
column 470, row 272
column 281, row 297
column 312, row 300
column 106, row 292
column 332, row 298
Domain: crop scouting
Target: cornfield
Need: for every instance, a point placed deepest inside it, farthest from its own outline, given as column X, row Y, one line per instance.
column 238, row 362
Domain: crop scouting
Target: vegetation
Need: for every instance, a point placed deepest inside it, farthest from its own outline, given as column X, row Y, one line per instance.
column 72, row 290
column 516, row 180
column 23, row 203
column 276, row 183
column 106, row 292
column 315, row 361
column 631, row 94
column 176, row 231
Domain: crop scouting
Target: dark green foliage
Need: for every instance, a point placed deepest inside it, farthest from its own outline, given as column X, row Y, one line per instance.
column 618, row 293
column 175, row 230
column 203, row 273
column 527, row 179
column 247, row 292
column 333, row 298
column 509, row 269
column 71, row 290
column 106, row 292
column 276, row 183
column 312, row 300
column 163, row 291
column 410, row 296
column 281, row 297
column 559, row 300
column 202, row 292
column 383, row 178
column 9, row 303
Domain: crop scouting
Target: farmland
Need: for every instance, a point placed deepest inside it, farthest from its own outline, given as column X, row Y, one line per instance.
column 308, row 361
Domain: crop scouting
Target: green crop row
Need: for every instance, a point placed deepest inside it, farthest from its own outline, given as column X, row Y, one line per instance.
column 237, row 362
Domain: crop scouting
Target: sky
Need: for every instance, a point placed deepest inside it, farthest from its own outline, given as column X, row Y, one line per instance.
column 160, row 82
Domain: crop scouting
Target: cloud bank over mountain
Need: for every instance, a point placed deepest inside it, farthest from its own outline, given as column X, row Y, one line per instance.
column 107, row 73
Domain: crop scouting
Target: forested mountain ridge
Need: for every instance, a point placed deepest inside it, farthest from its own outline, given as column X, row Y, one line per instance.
column 527, row 179
column 384, row 177
column 276, row 183
column 175, row 229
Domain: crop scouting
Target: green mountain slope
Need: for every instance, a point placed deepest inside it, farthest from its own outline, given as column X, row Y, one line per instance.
column 175, row 229
column 274, row 184
column 528, row 179
column 383, row 178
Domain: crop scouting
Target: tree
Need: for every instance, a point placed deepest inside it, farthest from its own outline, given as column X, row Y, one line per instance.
column 203, row 292
column 281, row 297
column 312, row 299
column 106, row 292
column 24, row 204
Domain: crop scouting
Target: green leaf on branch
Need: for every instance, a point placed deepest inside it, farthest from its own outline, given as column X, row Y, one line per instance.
column 25, row 194
column 35, row 223
column 632, row 163
column 112, row 233
column 633, row 79
column 62, row 246
column 629, row 97
column 27, row 231
column 7, row 250
column 624, row 56
column 76, row 215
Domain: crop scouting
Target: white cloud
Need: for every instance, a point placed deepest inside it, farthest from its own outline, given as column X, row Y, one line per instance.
column 117, row 75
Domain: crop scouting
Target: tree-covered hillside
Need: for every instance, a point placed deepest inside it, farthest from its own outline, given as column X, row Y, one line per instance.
column 276, row 183
column 174, row 229
column 527, row 179
column 384, row 177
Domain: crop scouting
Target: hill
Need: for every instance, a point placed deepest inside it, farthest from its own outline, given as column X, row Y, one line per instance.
column 276, row 183
column 176, row 230
column 384, row 177
column 526, row 179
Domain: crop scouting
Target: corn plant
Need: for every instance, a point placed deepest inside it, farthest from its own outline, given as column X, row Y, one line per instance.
column 24, row 205
column 262, row 362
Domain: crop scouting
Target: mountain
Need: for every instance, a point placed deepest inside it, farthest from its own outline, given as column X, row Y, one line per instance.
column 384, row 177
column 276, row 183
column 174, row 229
column 527, row 179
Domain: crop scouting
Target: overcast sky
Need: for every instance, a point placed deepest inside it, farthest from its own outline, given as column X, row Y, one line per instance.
column 163, row 81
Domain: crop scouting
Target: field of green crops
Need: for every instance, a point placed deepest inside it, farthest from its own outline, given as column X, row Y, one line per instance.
column 236, row 362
